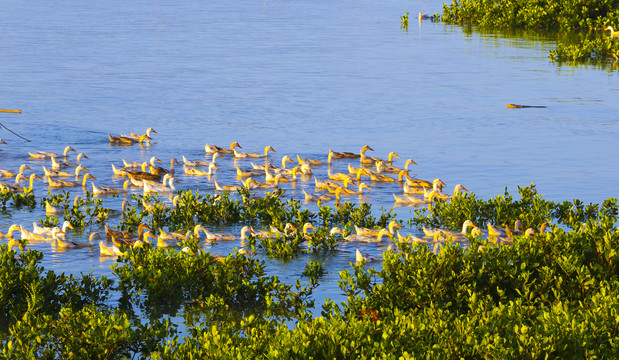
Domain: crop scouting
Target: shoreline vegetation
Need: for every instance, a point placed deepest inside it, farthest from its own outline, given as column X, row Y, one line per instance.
column 588, row 21
column 548, row 292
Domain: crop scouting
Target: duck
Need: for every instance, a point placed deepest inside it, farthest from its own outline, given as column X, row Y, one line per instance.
column 137, row 164
column 136, row 137
column 64, row 183
column 150, row 187
column 198, row 172
column 119, row 172
column 65, row 164
column 248, row 173
column 331, row 185
column 312, row 198
column 311, row 162
column 9, row 173
column 368, row 239
column 228, row 237
column 28, row 235
column 210, row 148
column 9, row 233
column 16, row 187
column 347, row 155
column 364, row 259
column 612, row 32
column 74, row 244
column 110, row 233
column 406, row 200
column 162, row 171
column 111, row 250
column 359, row 191
column 371, row 232
column 106, row 190
column 226, row 187
column 51, row 210
column 126, row 140
column 368, row 160
column 197, row 163
column 354, row 170
column 381, row 167
column 384, row 178
column 60, row 173
column 346, row 177
column 46, row 154
column 243, row 155
column 143, row 175
column 455, row 193
column 42, row 230
column 436, row 184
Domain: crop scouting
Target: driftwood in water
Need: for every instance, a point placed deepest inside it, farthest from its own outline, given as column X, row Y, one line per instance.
column 514, row 106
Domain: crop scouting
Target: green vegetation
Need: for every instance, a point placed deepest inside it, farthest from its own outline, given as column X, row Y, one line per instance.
column 554, row 294
column 585, row 19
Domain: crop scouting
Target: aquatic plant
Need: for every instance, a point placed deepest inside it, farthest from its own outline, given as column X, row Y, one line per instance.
column 572, row 16
column 404, row 21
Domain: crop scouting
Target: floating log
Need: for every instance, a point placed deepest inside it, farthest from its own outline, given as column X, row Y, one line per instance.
column 514, row 106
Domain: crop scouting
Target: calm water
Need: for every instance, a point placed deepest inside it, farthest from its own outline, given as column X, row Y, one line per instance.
column 304, row 77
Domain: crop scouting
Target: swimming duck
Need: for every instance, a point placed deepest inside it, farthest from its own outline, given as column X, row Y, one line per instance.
column 371, row 232
column 196, row 163
column 9, row 173
column 136, row 137
column 248, row 173
column 368, row 239
column 411, row 201
column 143, row 175
column 359, row 191
column 198, row 172
column 437, row 184
column 150, row 187
column 368, row 160
column 347, row 155
column 381, row 167
column 456, row 191
column 28, row 235
column 65, row 164
column 384, row 178
column 137, row 164
column 64, row 183
column 310, row 198
column 73, row 244
column 126, row 140
column 228, row 237
column 243, row 155
column 111, row 233
column 16, row 187
column 210, row 149
column 162, row 171
column 111, row 250
column 365, row 259
column 106, row 190
column 308, row 161
column 47, row 231
column 46, row 154
column 60, row 173
column 9, row 233
column 226, row 187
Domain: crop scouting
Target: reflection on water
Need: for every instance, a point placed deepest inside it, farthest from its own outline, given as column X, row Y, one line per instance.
column 304, row 77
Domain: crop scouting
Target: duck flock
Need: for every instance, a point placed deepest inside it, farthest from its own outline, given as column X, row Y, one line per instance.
column 253, row 171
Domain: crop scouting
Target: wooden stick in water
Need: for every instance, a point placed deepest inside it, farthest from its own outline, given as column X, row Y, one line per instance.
column 10, row 111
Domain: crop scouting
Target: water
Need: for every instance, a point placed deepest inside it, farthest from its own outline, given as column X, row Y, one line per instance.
column 303, row 77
